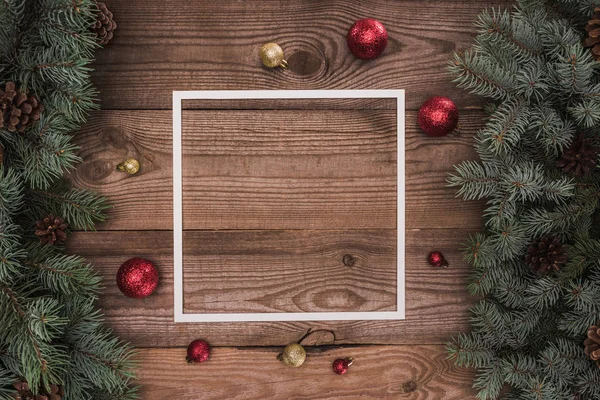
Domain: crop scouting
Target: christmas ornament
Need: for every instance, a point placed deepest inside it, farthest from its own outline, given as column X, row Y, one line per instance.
column 104, row 25
column 341, row 365
column 367, row 38
column 592, row 344
column 18, row 109
column 24, row 392
column 137, row 278
column 438, row 116
column 580, row 158
column 593, row 34
column 436, row 259
column 271, row 55
column 293, row 355
column 51, row 230
column 198, row 351
column 546, row 254
column 130, row 166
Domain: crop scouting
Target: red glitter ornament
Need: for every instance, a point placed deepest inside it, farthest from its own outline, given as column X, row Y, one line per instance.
column 438, row 116
column 436, row 259
column 137, row 278
column 367, row 38
column 341, row 365
column 198, row 351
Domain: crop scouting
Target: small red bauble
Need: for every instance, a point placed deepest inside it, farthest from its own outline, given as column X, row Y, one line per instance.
column 438, row 116
column 436, row 259
column 341, row 365
column 198, row 351
column 367, row 38
column 137, row 278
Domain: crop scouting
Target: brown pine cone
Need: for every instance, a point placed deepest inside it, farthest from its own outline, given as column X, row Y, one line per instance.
column 18, row 109
column 593, row 34
column 24, row 393
column 580, row 158
column 546, row 254
column 592, row 344
column 104, row 25
column 51, row 230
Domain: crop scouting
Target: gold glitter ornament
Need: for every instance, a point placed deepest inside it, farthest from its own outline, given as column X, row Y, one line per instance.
column 271, row 55
column 131, row 166
column 293, row 355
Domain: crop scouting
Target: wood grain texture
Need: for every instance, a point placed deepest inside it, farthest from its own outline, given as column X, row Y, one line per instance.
column 240, row 176
column 436, row 299
column 214, row 45
column 294, row 198
column 379, row 372
column 289, row 271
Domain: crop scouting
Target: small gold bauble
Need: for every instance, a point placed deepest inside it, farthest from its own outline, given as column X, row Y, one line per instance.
column 293, row 355
column 131, row 166
column 271, row 55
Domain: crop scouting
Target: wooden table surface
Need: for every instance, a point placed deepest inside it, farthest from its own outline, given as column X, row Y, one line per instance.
column 289, row 216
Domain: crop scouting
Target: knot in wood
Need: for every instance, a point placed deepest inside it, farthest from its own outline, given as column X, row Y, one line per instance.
column 304, row 63
column 409, row 386
column 348, row 260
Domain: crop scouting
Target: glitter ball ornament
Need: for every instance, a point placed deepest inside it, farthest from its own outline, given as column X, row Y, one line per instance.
column 341, row 365
column 271, row 55
column 367, row 38
column 293, row 355
column 137, row 278
column 438, row 116
column 436, row 259
column 130, row 166
column 198, row 351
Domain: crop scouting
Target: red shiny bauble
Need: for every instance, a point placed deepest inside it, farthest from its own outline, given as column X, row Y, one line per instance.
column 436, row 259
column 198, row 351
column 137, row 278
column 367, row 38
column 341, row 365
column 438, row 116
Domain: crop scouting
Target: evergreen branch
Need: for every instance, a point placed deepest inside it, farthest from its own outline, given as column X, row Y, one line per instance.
column 526, row 339
column 81, row 208
column 481, row 75
column 47, row 310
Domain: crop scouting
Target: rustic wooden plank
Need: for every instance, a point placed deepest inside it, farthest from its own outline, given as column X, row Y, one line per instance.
column 381, row 372
column 289, row 271
column 436, row 299
column 291, row 104
column 302, row 177
column 214, row 45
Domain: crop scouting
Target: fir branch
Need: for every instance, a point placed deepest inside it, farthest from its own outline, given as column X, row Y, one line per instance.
column 469, row 351
column 532, row 60
column 81, row 208
column 52, row 333
column 481, row 75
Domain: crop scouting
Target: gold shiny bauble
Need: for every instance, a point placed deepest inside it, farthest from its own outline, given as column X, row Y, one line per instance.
column 293, row 355
column 131, row 166
column 271, row 56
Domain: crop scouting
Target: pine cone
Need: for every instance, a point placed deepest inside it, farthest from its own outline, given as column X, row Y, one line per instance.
column 580, row 158
column 592, row 344
column 104, row 25
column 593, row 34
column 51, row 230
column 546, row 254
column 18, row 109
column 24, row 393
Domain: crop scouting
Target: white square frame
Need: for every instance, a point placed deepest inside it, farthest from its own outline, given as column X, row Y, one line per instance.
column 178, row 96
